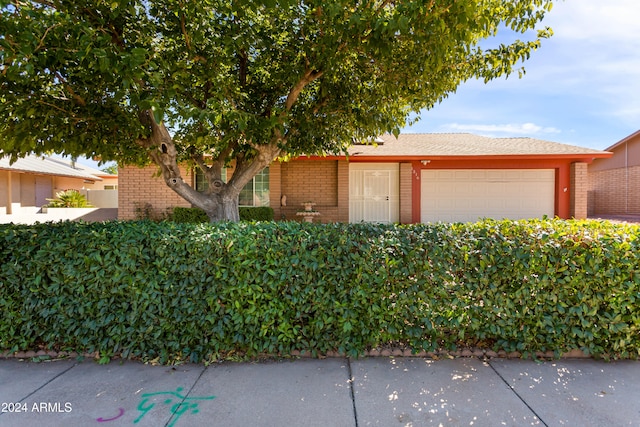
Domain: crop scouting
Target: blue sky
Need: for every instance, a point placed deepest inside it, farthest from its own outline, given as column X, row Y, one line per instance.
column 582, row 87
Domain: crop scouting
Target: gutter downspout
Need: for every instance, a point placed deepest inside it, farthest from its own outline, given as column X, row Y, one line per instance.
column 626, row 181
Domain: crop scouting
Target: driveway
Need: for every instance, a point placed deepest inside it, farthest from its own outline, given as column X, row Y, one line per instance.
column 25, row 216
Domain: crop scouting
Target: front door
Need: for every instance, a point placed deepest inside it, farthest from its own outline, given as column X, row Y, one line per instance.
column 374, row 192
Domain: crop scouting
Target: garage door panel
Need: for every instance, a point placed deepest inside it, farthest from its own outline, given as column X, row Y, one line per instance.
column 468, row 195
column 494, row 189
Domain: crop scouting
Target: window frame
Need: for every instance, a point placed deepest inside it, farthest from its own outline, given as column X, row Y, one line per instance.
column 261, row 179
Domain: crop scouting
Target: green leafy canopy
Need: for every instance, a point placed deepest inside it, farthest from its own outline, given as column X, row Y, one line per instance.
column 243, row 80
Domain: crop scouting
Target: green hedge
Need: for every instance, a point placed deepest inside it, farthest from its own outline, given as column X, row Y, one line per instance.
column 188, row 215
column 261, row 213
column 201, row 292
column 198, row 216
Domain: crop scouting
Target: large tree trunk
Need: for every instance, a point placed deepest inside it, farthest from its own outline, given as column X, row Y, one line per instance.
column 222, row 207
column 221, row 201
column 229, row 209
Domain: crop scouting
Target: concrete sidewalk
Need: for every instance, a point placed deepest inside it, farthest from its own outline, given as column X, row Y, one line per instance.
column 380, row 391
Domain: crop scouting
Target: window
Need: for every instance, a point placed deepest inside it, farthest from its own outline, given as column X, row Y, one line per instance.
column 201, row 183
column 110, row 187
column 255, row 193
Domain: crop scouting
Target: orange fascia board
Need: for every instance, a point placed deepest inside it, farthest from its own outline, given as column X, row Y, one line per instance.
column 586, row 158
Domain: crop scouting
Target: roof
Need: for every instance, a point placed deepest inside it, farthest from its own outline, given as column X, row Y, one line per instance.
column 468, row 145
column 623, row 141
column 51, row 166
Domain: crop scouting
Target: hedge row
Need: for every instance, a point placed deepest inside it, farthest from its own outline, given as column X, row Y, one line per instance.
column 201, row 292
column 199, row 216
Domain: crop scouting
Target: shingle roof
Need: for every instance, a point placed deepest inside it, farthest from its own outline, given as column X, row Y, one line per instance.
column 50, row 166
column 465, row 144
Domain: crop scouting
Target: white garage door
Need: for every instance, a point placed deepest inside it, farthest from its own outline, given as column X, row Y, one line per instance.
column 469, row 195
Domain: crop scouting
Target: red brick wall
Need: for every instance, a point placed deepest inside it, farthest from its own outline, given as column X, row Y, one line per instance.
column 614, row 191
column 406, row 183
column 343, row 191
column 299, row 181
column 306, row 180
column 579, row 188
column 275, row 189
column 140, row 187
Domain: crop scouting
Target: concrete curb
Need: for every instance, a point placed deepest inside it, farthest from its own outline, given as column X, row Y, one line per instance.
column 479, row 353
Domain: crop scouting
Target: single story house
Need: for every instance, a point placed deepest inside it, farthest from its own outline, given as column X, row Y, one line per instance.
column 26, row 184
column 409, row 179
column 614, row 182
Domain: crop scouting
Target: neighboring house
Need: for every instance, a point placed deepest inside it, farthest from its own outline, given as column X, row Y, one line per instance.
column 26, row 184
column 415, row 178
column 614, row 183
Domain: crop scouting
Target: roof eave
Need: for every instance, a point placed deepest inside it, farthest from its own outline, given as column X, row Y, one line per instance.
column 578, row 157
column 18, row 170
column 623, row 141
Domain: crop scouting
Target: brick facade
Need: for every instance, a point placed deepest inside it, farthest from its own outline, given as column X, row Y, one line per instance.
column 614, row 191
column 326, row 182
column 406, row 193
column 315, row 181
column 142, row 193
column 614, row 183
column 579, row 190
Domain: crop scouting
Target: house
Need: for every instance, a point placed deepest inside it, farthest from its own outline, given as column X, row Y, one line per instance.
column 26, row 184
column 409, row 179
column 614, row 183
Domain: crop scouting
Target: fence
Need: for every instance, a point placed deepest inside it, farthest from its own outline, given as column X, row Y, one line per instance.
column 102, row 198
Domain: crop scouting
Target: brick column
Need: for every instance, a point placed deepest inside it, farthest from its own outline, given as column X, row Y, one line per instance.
column 275, row 189
column 406, row 195
column 343, row 191
column 579, row 186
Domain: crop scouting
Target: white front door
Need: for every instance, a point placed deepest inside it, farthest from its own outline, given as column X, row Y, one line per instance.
column 374, row 192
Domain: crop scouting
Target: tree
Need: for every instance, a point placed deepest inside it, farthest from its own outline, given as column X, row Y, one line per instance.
column 212, row 82
column 112, row 169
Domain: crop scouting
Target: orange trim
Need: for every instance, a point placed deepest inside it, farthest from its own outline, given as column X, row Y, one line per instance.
column 563, row 192
column 583, row 158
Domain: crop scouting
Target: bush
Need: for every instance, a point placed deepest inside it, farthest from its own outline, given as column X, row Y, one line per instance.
column 198, row 216
column 262, row 213
column 189, row 215
column 201, row 291
column 69, row 199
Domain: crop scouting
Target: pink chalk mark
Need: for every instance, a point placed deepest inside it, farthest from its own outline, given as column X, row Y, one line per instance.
column 104, row 420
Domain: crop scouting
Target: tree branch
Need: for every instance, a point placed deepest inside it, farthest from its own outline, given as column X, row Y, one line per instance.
column 41, row 42
column 68, row 87
column 308, row 77
column 243, row 67
column 183, row 27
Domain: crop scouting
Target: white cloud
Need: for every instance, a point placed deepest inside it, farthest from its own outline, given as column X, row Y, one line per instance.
column 595, row 53
column 595, row 20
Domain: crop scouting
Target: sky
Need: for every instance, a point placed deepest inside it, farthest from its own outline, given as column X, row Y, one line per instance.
column 581, row 87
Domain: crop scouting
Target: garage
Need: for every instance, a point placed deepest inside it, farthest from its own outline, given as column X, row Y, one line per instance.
column 462, row 195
